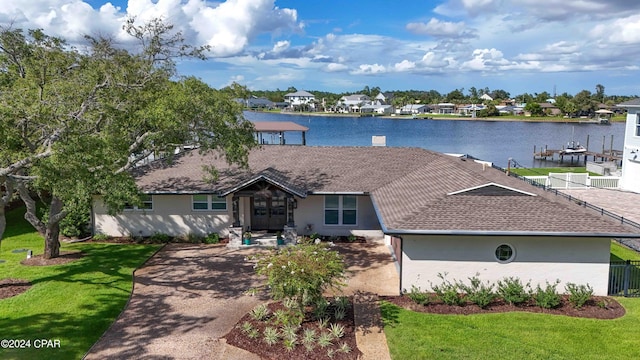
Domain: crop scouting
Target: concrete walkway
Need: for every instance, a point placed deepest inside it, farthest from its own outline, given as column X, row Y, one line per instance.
column 371, row 272
column 188, row 296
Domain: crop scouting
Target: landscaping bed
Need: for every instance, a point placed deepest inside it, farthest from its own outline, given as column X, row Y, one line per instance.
column 598, row 307
column 239, row 337
column 12, row 287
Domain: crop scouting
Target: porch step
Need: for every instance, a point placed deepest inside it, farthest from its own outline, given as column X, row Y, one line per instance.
column 266, row 241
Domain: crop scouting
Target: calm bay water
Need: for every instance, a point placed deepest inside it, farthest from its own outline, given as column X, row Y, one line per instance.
column 494, row 141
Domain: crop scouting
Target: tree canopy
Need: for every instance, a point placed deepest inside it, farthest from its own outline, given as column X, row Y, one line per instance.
column 74, row 123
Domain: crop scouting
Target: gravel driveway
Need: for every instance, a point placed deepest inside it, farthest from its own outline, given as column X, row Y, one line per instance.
column 188, row 296
column 185, row 298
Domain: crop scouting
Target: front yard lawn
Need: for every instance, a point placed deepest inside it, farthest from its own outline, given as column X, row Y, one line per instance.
column 73, row 303
column 412, row 335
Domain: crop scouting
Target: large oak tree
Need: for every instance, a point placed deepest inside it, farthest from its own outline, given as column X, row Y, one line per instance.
column 75, row 122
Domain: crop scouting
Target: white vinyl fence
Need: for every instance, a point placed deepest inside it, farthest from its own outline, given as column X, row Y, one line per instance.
column 575, row 181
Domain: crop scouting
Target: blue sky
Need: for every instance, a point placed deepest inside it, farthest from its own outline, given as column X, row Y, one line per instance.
column 341, row 46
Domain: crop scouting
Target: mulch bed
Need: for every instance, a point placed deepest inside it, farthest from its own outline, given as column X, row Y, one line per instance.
column 238, row 338
column 64, row 258
column 599, row 307
column 12, row 287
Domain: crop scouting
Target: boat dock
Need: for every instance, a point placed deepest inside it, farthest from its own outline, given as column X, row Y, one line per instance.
column 562, row 155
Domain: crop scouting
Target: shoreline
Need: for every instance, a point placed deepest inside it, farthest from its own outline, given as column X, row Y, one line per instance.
column 577, row 121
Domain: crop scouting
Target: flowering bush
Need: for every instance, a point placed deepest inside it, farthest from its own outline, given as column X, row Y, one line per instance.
column 302, row 272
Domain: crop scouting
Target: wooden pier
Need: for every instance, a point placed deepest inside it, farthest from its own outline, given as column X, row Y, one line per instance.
column 544, row 153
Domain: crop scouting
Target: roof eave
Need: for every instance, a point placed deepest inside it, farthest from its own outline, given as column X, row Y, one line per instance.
column 508, row 233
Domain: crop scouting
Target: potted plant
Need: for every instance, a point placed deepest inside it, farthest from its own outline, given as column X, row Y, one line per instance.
column 246, row 238
column 279, row 238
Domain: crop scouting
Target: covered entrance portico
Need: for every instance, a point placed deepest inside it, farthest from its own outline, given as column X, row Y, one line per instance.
column 266, row 206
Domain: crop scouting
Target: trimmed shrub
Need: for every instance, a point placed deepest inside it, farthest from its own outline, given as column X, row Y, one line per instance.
column 547, row 298
column 160, row 238
column 301, row 273
column 578, row 294
column 212, row 238
column 417, row 296
column 448, row 292
column 478, row 292
column 512, row 290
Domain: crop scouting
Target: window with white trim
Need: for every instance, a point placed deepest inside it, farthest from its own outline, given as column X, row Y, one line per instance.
column 146, row 204
column 637, row 124
column 340, row 210
column 204, row 202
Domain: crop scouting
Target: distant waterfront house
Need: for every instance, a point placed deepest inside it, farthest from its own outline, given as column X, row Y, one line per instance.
column 550, row 109
column 470, row 110
column 486, row 97
column 377, row 109
column 440, row 214
column 446, row 108
column 353, row 103
column 257, row 103
column 631, row 152
column 413, row 109
column 384, row 98
column 300, row 98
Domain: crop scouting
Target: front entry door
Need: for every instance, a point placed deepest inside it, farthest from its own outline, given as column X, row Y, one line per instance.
column 269, row 213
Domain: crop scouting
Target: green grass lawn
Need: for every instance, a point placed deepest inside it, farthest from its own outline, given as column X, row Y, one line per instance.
column 517, row 335
column 73, row 303
column 622, row 253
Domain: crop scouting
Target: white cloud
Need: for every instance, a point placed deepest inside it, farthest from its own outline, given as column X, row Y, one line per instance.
column 369, row 69
column 281, row 46
column 485, row 60
column 439, row 28
column 404, row 65
column 620, row 31
column 335, row 67
column 228, row 27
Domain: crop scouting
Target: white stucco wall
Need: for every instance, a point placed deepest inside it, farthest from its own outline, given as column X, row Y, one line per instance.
column 538, row 259
column 310, row 211
column 631, row 161
column 171, row 214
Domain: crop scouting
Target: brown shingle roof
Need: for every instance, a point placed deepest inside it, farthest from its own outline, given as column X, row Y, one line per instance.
column 408, row 186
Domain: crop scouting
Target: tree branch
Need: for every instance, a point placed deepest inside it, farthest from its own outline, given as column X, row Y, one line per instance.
column 31, row 214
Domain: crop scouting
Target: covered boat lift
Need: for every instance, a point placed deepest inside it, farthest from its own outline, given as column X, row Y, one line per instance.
column 272, row 132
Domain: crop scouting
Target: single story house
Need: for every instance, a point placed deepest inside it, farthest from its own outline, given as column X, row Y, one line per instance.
column 439, row 213
column 377, row 109
column 413, row 109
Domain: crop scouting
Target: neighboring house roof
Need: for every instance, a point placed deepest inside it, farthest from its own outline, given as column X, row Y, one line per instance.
column 486, row 97
column 375, row 107
column 355, row 97
column 299, row 93
column 413, row 190
column 631, row 103
column 409, row 107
